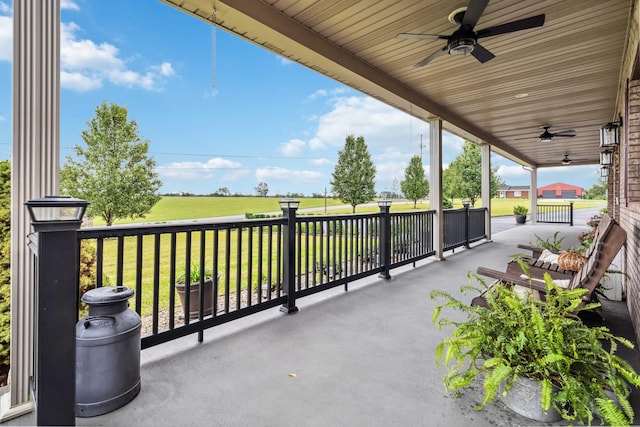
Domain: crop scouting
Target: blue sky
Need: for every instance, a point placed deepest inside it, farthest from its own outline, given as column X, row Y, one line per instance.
column 266, row 119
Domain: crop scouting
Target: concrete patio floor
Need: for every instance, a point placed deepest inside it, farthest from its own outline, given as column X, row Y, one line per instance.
column 365, row 357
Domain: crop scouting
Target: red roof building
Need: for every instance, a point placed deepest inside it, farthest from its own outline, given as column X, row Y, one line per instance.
column 560, row 190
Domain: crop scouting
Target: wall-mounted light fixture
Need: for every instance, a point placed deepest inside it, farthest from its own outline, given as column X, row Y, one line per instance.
column 610, row 134
column 606, row 158
column 604, row 172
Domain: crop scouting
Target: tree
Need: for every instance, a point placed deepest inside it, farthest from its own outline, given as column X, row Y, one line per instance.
column 114, row 173
column 5, row 267
column 415, row 186
column 262, row 189
column 598, row 191
column 354, row 175
column 223, row 191
column 464, row 180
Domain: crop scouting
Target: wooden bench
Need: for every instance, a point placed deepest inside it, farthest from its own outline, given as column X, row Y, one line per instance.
column 604, row 251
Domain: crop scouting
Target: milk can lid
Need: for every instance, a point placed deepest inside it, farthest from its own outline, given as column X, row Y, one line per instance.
column 107, row 295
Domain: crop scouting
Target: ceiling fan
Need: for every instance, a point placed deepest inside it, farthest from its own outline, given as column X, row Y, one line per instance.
column 464, row 40
column 547, row 136
column 566, row 161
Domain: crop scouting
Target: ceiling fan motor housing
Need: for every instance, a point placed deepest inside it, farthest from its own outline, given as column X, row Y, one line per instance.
column 462, row 45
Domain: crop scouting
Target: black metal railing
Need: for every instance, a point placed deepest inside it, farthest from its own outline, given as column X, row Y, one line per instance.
column 463, row 226
column 258, row 264
column 561, row 214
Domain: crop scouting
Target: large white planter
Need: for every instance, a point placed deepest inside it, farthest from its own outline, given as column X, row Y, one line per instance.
column 524, row 398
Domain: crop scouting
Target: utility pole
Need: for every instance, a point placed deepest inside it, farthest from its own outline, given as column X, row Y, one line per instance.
column 421, row 146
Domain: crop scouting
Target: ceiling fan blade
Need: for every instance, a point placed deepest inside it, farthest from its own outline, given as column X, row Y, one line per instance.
column 482, row 54
column 510, row 27
column 431, row 57
column 414, row 36
column 565, row 133
column 473, row 12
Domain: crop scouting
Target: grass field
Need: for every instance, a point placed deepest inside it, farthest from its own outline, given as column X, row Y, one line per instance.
column 181, row 208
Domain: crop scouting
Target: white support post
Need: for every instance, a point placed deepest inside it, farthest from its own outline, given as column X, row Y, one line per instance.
column 435, row 184
column 533, row 195
column 35, row 167
column 486, row 187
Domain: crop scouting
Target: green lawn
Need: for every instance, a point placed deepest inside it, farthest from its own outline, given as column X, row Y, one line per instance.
column 181, row 208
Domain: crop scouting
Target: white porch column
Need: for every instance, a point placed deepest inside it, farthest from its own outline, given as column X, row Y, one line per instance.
column 486, row 186
column 35, row 164
column 435, row 183
column 533, row 195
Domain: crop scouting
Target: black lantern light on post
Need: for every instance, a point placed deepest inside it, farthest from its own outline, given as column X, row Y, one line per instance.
column 289, row 208
column 55, row 221
column 385, row 237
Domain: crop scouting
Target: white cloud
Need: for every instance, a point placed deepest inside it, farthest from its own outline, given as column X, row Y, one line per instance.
column 79, row 82
column 320, row 162
column 68, row 5
column 87, row 64
column 506, row 172
column 190, row 171
column 6, row 37
column 288, row 175
column 5, row 8
column 378, row 123
column 292, row 148
column 318, row 94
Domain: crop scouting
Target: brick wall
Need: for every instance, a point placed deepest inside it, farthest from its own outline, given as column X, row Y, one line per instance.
column 629, row 209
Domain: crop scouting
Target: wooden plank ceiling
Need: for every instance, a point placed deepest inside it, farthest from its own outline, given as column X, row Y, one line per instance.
column 569, row 68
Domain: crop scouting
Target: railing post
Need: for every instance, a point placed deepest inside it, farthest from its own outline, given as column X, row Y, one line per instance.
column 55, row 221
column 289, row 208
column 571, row 214
column 385, row 238
column 466, row 204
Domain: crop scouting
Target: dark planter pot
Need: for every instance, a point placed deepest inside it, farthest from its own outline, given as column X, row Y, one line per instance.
column 521, row 219
column 194, row 298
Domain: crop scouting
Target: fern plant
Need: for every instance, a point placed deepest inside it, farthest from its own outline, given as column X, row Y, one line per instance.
column 194, row 273
column 551, row 243
column 545, row 341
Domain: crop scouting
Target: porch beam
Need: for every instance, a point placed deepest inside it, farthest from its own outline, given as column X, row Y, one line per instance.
column 435, row 181
column 35, row 164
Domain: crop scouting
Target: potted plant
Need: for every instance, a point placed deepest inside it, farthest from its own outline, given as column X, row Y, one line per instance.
column 194, row 289
column 520, row 213
column 518, row 341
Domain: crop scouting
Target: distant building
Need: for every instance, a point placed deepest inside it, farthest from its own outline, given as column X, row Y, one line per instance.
column 513, row 192
column 560, row 190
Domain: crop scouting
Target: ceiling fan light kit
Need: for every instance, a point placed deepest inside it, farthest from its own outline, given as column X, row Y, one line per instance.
column 566, row 160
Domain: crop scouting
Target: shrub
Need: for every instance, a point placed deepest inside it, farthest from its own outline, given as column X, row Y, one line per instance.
column 520, row 210
column 5, row 267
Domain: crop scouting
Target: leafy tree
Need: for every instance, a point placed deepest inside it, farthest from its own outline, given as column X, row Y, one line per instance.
column 114, row 173
column 262, row 189
column 415, row 186
column 598, row 191
column 223, row 191
column 354, row 175
column 464, row 180
column 449, row 176
column 5, row 267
